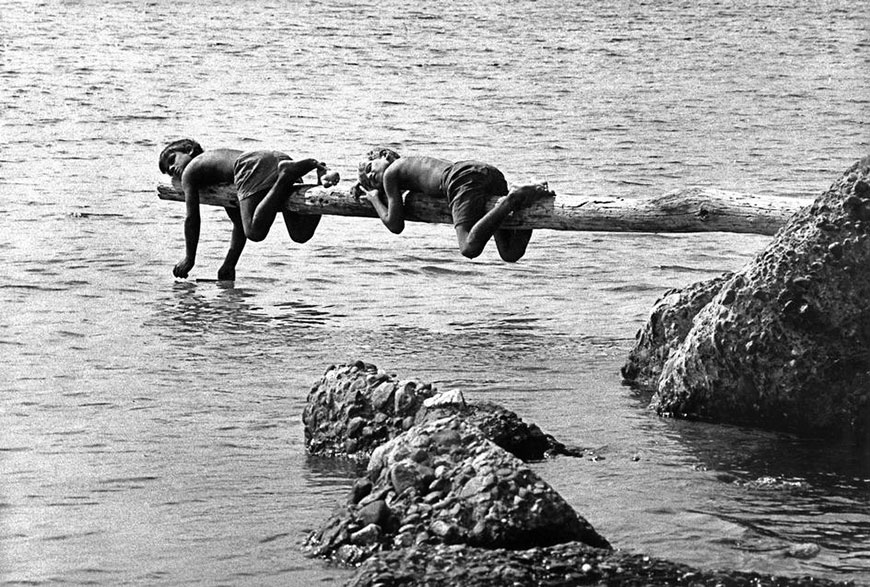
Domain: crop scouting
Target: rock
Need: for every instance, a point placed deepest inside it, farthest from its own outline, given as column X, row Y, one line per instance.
column 669, row 323
column 445, row 398
column 803, row 551
column 562, row 565
column 782, row 343
column 477, row 494
column 375, row 512
column 505, row 428
column 352, row 409
column 355, row 408
column 368, row 536
column 404, row 476
column 361, row 488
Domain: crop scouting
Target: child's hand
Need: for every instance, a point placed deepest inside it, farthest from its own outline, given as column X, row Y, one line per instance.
column 182, row 268
column 372, row 195
column 321, row 169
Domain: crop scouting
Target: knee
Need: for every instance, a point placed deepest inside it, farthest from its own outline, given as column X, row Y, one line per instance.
column 255, row 235
column 301, row 238
column 470, row 251
column 511, row 257
column 284, row 168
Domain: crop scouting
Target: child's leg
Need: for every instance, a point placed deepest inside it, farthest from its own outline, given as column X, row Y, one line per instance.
column 258, row 213
column 301, row 227
column 473, row 239
column 512, row 243
column 237, row 245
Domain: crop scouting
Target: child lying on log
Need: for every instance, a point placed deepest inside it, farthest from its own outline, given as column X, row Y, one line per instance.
column 263, row 181
column 467, row 185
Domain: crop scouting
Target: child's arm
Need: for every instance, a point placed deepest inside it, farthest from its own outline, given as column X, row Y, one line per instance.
column 191, row 222
column 391, row 213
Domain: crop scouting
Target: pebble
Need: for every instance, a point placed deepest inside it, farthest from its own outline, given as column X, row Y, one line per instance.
column 803, row 551
column 361, row 488
column 404, row 476
column 375, row 512
column 367, row 536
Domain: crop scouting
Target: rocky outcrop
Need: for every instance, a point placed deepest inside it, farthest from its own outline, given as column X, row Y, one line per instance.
column 441, row 504
column 669, row 323
column 356, row 407
column 785, row 342
column 564, row 565
column 444, row 482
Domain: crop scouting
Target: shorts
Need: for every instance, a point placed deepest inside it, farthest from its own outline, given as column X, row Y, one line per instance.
column 468, row 186
column 256, row 171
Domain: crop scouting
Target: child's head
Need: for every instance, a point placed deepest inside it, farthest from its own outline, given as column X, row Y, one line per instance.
column 370, row 172
column 187, row 146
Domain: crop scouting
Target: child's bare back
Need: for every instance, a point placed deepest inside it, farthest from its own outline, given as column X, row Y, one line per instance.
column 417, row 174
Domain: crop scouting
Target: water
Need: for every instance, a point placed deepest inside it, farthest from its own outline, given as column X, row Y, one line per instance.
column 151, row 428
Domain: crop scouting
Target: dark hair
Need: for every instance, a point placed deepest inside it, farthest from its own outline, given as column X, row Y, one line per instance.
column 375, row 153
column 188, row 146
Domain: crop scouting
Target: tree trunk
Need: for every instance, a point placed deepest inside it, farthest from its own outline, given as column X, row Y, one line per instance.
column 687, row 210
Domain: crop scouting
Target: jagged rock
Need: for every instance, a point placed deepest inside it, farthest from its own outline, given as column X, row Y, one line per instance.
column 443, row 481
column 669, row 323
column 785, row 342
column 355, row 408
column 564, row 565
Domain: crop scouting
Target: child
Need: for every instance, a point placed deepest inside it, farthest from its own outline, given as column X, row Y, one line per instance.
column 467, row 185
column 263, row 180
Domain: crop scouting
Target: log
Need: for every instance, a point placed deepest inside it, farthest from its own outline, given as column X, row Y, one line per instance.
column 686, row 210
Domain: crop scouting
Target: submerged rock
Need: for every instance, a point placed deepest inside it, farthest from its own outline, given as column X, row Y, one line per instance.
column 444, row 482
column 355, row 408
column 563, row 565
column 785, row 342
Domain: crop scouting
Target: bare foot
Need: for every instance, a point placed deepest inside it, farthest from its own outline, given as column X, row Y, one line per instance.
column 329, row 179
column 526, row 195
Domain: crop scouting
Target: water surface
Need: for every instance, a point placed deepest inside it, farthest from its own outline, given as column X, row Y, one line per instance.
column 151, row 427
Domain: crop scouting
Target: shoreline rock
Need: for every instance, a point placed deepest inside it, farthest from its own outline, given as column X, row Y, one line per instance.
column 564, row 565
column 445, row 482
column 441, row 504
column 782, row 343
column 354, row 408
column 666, row 329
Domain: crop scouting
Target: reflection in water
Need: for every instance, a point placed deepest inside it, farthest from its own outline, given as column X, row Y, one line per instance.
column 789, row 494
column 330, row 472
column 221, row 308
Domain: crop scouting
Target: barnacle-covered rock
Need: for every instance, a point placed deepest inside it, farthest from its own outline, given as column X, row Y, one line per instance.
column 356, row 407
column 785, row 342
column 444, row 482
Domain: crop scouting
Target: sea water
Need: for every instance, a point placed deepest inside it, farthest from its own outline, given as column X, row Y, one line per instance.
column 150, row 427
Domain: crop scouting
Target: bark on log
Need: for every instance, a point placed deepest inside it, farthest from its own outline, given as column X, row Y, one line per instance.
column 687, row 210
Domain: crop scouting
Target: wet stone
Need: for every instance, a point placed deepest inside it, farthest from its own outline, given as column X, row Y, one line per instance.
column 375, row 512
column 469, row 506
column 366, row 536
column 355, row 408
column 404, row 476
column 360, row 489
column 728, row 359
